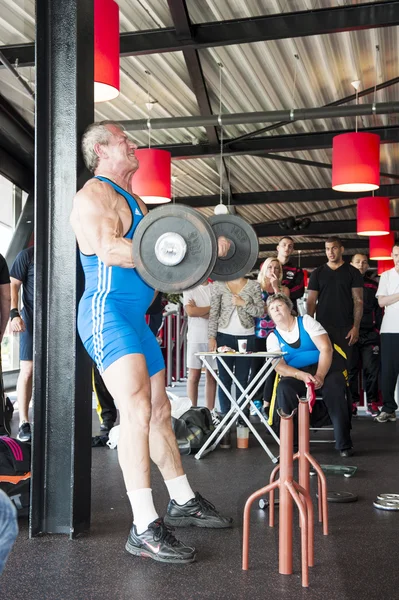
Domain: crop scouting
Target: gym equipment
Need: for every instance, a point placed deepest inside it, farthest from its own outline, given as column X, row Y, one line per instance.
column 289, row 491
column 336, row 470
column 387, row 502
column 175, row 248
column 340, row 497
column 305, row 460
column 244, row 247
column 393, row 497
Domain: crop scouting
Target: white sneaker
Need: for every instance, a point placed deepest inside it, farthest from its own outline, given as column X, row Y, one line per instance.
column 215, row 417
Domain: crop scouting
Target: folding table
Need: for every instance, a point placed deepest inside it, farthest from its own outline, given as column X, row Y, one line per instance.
column 238, row 406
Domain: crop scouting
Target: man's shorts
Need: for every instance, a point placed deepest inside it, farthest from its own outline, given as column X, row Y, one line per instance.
column 194, row 362
column 26, row 343
column 117, row 334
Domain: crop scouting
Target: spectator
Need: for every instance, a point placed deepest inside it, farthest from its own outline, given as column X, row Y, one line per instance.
column 234, row 306
column 22, row 274
column 367, row 348
column 270, row 276
column 293, row 277
column 4, row 314
column 337, row 288
column 388, row 298
column 309, row 358
column 8, row 528
column 197, row 304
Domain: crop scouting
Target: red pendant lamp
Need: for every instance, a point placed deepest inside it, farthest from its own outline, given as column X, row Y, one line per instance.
column 384, row 265
column 152, row 180
column 356, row 162
column 373, row 216
column 381, row 247
column 106, row 50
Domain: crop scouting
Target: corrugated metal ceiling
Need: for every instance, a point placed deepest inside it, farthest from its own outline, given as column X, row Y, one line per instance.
column 256, row 77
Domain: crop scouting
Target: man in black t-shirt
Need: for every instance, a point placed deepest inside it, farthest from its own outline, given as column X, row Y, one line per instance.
column 22, row 274
column 335, row 294
column 367, row 348
column 4, row 312
column 293, row 277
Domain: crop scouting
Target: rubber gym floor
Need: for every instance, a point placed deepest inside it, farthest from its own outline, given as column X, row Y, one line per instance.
column 357, row 559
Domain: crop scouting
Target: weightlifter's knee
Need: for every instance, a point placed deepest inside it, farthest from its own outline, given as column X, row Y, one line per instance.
column 161, row 411
column 135, row 410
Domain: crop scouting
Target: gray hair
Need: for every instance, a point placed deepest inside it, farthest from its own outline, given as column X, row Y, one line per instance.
column 96, row 133
column 282, row 297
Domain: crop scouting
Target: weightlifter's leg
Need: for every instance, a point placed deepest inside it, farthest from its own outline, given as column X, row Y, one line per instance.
column 185, row 508
column 128, row 382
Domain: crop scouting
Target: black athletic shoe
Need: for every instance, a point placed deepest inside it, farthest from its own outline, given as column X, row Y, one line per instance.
column 159, row 543
column 24, row 433
column 347, row 453
column 198, row 512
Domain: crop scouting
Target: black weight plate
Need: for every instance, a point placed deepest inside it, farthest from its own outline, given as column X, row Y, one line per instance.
column 384, row 504
column 340, row 497
column 244, row 249
column 198, row 260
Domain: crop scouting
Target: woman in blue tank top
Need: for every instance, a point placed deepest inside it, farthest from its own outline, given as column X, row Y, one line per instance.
column 308, row 359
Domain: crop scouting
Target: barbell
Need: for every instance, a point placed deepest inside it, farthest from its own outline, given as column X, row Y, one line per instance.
column 175, row 248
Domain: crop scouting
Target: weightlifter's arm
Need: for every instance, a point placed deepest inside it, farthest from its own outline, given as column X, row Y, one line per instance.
column 100, row 225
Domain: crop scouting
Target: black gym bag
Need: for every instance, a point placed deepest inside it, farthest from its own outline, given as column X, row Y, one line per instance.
column 192, row 429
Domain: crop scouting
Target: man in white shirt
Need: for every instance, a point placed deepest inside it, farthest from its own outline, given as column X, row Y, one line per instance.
column 388, row 298
column 197, row 305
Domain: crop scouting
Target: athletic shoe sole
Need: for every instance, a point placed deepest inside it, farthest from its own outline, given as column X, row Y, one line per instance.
column 194, row 522
column 172, row 561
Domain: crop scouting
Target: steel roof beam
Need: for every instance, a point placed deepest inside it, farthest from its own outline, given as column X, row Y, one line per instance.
column 351, row 98
column 292, row 115
column 244, row 31
column 181, row 20
column 349, row 244
column 286, row 196
column 276, row 143
column 315, row 228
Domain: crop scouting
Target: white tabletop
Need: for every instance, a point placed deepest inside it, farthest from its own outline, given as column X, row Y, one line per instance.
column 247, row 354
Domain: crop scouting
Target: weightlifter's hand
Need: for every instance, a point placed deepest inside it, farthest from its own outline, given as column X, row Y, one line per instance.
column 212, row 345
column 223, row 246
column 17, row 325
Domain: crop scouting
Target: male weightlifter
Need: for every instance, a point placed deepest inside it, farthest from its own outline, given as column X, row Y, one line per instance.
column 113, row 330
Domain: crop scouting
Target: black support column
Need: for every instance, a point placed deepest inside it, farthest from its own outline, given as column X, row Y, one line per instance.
column 60, row 497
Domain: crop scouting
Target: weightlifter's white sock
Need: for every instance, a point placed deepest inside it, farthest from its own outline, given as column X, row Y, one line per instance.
column 143, row 508
column 179, row 489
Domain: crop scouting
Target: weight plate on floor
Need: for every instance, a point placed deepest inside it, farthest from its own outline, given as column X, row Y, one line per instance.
column 174, row 248
column 386, row 504
column 340, row 497
column 393, row 497
column 243, row 251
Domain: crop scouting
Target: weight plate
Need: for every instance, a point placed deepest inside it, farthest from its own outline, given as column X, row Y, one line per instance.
column 393, row 497
column 340, row 497
column 244, row 248
column 386, row 504
column 180, row 260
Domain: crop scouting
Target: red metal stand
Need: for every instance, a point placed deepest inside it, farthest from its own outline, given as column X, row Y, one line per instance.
column 289, row 493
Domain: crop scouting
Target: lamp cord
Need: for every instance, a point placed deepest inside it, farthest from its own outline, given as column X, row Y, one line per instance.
column 221, row 136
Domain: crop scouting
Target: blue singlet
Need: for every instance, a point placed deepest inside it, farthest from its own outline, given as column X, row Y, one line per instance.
column 111, row 316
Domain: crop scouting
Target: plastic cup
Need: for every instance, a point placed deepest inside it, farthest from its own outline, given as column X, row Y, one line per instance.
column 242, row 436
column 242, row 345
